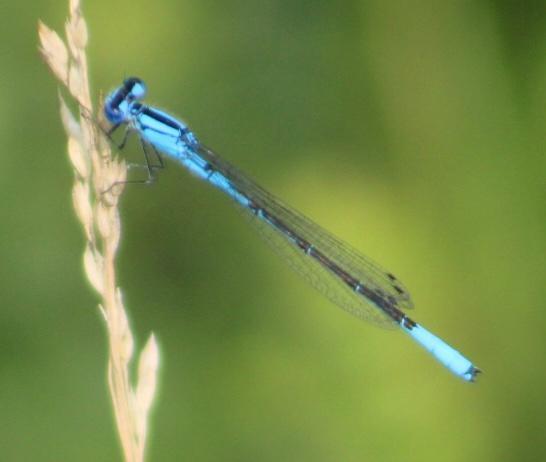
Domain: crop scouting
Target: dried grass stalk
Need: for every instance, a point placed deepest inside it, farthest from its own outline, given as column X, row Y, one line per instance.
column 95, row 171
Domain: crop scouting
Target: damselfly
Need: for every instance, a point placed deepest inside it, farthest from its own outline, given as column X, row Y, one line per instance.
column 345, row 276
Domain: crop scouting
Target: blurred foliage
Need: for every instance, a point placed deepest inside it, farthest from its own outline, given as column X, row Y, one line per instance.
column 414, row 132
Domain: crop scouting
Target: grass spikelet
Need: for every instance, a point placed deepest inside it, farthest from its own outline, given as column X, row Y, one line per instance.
column 95, row 170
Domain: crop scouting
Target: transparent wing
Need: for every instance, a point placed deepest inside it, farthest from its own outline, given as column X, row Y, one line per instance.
column 367, row 272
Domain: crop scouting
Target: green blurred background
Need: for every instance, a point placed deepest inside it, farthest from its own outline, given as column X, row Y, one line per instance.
column 414, row 132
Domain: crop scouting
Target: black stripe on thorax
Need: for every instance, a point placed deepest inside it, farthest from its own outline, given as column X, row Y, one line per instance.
column 160, row 117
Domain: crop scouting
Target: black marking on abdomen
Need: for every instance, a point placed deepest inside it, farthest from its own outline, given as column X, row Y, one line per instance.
column 386, row 303
column 408, row 323
column 300, row 242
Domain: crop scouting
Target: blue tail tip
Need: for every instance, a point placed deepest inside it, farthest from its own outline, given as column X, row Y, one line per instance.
column 472, row 373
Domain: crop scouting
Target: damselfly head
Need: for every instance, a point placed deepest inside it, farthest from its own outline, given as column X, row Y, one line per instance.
column 117, row 105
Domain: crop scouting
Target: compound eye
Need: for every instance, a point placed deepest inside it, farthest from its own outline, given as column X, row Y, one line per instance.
column 114, row 116
column 136, row 88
